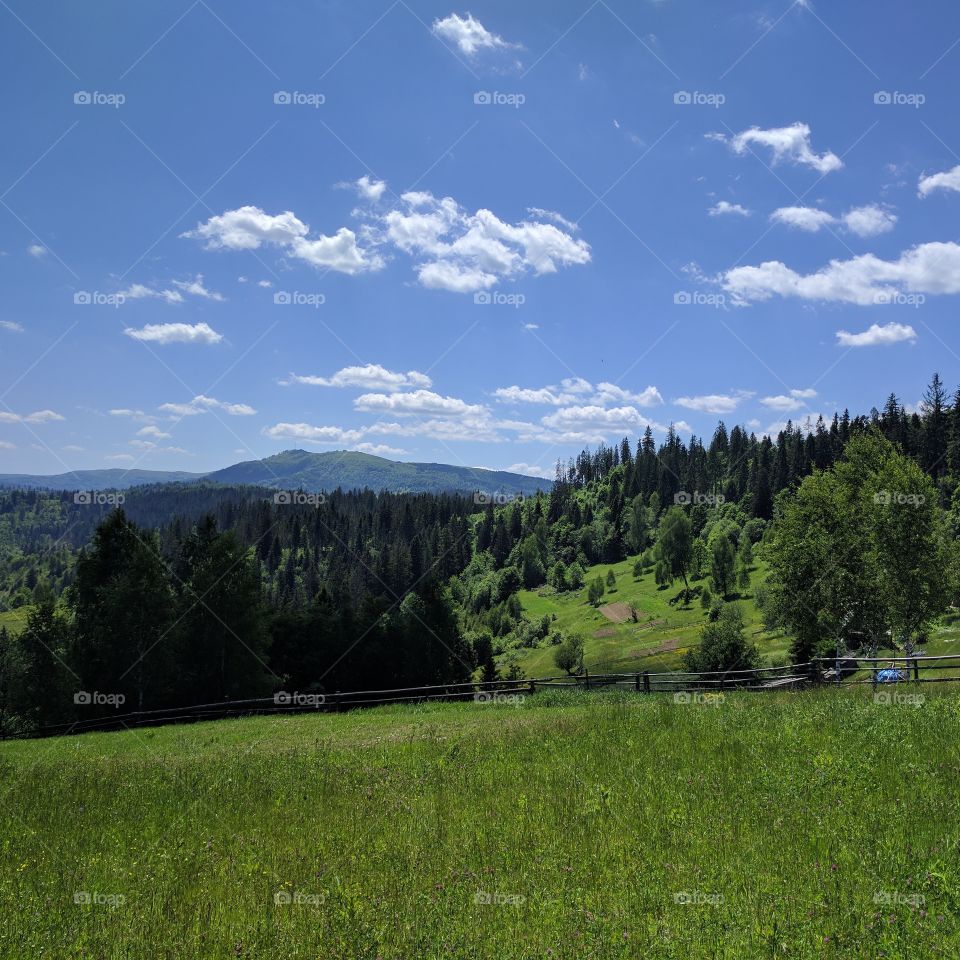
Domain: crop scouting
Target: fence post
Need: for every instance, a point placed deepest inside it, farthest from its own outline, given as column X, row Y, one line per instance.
column 916, row 669
column 636, row 682
column 646, row 681
column 533, row 686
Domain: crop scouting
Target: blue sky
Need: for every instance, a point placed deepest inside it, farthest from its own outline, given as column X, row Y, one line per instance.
column 486, row 236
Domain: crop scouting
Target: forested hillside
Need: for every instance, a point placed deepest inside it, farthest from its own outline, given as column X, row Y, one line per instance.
column 204, row 592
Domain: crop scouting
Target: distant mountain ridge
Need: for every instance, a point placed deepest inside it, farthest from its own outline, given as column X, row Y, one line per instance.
column 301, row 469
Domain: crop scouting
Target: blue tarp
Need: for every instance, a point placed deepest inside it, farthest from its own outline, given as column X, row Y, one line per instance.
column 889, row 675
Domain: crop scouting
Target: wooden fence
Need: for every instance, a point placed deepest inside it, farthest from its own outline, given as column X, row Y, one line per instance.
column 846, row 671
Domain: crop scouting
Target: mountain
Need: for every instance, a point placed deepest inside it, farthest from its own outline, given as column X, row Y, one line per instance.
column 300, row 469
column 293, row 469
column 113, row 479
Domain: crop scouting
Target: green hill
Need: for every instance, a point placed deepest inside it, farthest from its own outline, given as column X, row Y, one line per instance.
column 351, row 470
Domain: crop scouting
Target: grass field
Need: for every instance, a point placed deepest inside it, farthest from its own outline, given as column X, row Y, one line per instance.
column 663, row 632
column 817, row 824
column 656, row 642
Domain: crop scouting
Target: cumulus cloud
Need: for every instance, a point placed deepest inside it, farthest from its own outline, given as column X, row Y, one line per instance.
column 573, row 390
column 724, row 208
column 791, row 143
column 249, row 228
column 152, row 431
column 786, row 403
column 379, row 449
column 140, row 291
column 164, row 333
column 304, row 431
column 372, row 376
column 712, row 402
column 947, row 180
column 876, row 335
column 418, row 403
column 196, row 288
column 454, row 250
column 929, row 268
column 38, row 416
column 368, row 189
column 869, row 220
column 37, row 250
column 468, row 34
column 201, row 404
column 465, row 252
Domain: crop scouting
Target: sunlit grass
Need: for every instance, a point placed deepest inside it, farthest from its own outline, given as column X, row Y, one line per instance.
column 569, row 826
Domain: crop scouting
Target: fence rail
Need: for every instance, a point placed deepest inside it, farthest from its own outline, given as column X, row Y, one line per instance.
column 847, row 670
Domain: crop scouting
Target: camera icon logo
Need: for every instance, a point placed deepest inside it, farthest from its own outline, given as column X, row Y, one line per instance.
column 682, row 97
column 482, row 97
column 682, row 297
column 81, row 897
column 882, row 97
column 683, row 697
column 482, row 297
column 682, row 499
column 82, row 97
column 82, row 698
column 282, row 297
column 883, row 498
column 82, row 297
column 282, row 97
column 282, row 898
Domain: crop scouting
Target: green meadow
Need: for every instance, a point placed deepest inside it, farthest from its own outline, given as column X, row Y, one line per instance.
column 567, row 825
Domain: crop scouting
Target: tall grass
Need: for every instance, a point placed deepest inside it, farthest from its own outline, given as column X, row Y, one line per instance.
column 572, row 826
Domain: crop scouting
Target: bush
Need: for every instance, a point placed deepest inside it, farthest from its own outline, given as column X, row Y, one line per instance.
column 569, row 655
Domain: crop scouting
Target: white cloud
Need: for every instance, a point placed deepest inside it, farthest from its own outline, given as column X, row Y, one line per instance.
column 164, row 333
column 38, row 416
column 929, row 268
column 264, row 283
column 11, row 325
column 465, row 252
column 557, row 218
column 806, row 394
column 876, row 335
column 249, row 228
column 311, row 434
column 37, row 250
column 948, row 180
column 787, row 143
column 201, row 404
column 724, row 208
column 196, row 288
column 869, row 220
column 809, row 219
column 531, row 470
column 372, row 376
column 369, row 189
column 712, row 403
column 783, row 402
column 417, row 403
column 379, row 449
column 573, row 389
column 468, row 34
column 152, row 431
column 140, row 291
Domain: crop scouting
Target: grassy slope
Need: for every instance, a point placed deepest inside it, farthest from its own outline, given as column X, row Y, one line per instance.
column 783, row 815
column 626, row 647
